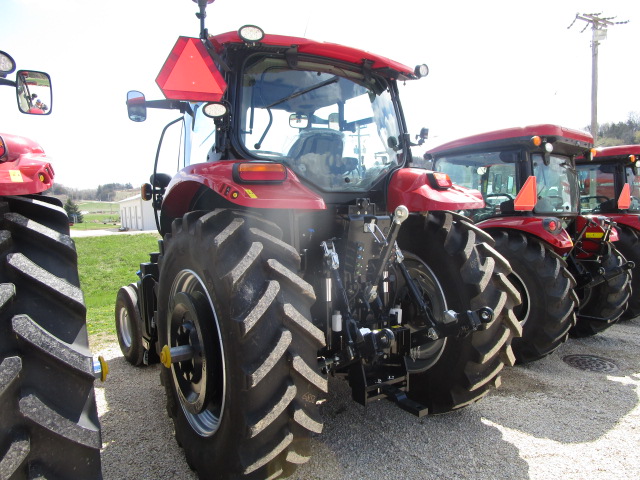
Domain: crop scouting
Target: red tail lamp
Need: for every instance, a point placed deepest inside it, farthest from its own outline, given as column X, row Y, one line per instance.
column 260, row 172
column 552, row 225
column 439, row 180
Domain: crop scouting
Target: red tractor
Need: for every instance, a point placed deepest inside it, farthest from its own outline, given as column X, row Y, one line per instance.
column 610, row 186
column 49, row 424
column 298, row 244
column 561, row 261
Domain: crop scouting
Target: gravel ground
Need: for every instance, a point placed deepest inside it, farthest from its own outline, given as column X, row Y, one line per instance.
column 549, row 420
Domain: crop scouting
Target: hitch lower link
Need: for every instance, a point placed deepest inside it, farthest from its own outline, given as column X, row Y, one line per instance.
column 593, row 280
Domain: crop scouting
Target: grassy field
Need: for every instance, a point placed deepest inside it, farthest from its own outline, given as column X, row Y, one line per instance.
column 105, row 264
column 99, row 215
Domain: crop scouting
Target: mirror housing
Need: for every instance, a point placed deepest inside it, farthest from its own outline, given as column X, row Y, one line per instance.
column 136, row 106
column 33, row 92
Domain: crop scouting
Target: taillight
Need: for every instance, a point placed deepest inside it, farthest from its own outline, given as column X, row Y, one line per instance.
column 439, row 180
column 3, row 150
column 260, row 172
column 552, row 225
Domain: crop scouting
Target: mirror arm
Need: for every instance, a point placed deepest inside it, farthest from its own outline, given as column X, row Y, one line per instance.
column 170, row 105
column 6, row 81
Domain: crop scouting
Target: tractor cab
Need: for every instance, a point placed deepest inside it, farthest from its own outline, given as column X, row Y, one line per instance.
column 609, row 182
column 519, row 171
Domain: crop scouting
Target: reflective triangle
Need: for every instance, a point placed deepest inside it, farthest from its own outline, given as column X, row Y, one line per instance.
column 189, row 73
column 624, row 201
column 527, row 196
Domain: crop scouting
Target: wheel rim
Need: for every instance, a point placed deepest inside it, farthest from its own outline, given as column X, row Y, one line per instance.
column 125, row 327
column 432, row 292
column 199, row 381
column 523, row 310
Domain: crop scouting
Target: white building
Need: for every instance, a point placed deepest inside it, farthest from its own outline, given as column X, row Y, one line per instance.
column 136, row 214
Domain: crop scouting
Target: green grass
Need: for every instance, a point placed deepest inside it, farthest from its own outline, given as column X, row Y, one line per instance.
column 99, row 207
column 105, row 264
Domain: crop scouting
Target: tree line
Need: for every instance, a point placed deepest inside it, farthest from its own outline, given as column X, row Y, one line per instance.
column 104, row 193
column 620, row 133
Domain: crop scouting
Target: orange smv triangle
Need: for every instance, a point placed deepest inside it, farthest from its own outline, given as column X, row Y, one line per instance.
column 624, row 201
column 189, row 73
column 527, row 196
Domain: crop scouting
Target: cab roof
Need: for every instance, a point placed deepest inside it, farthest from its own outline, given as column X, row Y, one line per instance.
column 514, row 136
column 323, row 49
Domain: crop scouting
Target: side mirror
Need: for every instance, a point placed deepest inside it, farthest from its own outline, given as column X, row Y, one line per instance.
column 136, row 106
column 298, row 121
column 33, row 92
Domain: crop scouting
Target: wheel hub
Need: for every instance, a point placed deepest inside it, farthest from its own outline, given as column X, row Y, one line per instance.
column 190, row 374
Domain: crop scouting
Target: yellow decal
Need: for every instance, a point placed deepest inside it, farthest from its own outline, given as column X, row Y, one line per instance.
column 250, row 193
column 15, row 176
column 594, row 235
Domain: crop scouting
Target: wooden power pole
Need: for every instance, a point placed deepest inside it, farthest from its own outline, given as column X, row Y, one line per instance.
column 599, row 27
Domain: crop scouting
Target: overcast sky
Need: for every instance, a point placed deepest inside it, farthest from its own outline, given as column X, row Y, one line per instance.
column 493, row 64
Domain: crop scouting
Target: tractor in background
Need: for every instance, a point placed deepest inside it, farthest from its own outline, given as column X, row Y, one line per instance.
column 610, row 186
column 49, row 425
column 298, row 244
column 562, row 261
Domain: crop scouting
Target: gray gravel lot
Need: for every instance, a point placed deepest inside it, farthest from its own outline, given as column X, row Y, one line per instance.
column 549, row 420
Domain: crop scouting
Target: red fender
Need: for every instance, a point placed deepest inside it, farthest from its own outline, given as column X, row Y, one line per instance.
column 410, row 187
column 25, row 168
column 559, row 239
column 629, row 220
column 218, row 177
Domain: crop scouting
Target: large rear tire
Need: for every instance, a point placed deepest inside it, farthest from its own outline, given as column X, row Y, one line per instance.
column 546, row 287
column 629, row 246
column 49, row 424
column 607, row 300
column 472, row 275
column 245, row 404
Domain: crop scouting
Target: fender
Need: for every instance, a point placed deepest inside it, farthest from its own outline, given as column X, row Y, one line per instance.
column 218, row 177
column 559, row 240
column 25, row 168
column 410, row 187
column 629, row 220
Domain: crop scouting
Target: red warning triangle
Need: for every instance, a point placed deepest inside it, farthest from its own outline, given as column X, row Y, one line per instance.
column 527, row 196
column 624, row 201
column 189, row 73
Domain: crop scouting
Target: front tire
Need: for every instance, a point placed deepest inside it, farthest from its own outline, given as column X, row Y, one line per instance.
column 546, row 287
column 49, row 424
column 472, row 275
column 129, row 325
column 245, row 405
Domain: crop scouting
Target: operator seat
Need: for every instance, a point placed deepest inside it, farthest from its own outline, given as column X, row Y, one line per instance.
column 317, row 155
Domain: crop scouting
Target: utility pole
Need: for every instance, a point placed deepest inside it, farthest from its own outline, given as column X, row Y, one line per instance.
column 599, row 32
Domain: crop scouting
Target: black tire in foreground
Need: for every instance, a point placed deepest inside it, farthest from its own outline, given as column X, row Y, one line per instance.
column 472, row 275
column 49, row 424
column 244, row 395
column 607, row 300
column 629, row 246
column 129, row 325
column 546, row 287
